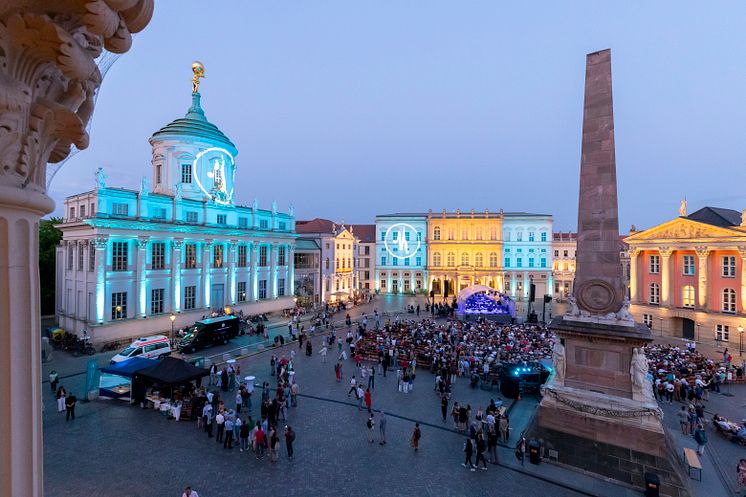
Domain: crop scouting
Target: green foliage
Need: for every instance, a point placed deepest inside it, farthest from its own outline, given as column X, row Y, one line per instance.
column 49, row 238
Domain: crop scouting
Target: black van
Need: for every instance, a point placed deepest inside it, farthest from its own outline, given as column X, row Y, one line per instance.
column 213, row 331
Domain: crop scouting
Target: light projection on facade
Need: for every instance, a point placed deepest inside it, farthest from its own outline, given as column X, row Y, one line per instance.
column 216, row 167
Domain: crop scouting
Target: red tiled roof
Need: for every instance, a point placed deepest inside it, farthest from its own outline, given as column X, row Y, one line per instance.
column 316, row 225
column 366, row 233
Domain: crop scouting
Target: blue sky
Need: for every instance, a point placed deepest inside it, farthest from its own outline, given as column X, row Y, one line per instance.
column 349, row 109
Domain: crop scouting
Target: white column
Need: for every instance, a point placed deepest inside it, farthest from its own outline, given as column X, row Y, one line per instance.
column 742, row 252
column 665, row 253
column 176, row 275
column 633, row 276
column 232, row 271
column 291, row 270
column 140, row 280
column 526, row 283
column 101, row 260
column 702, row 256
column 513, row 286
column 254, row 287
column 272, row 290
column 206, row 272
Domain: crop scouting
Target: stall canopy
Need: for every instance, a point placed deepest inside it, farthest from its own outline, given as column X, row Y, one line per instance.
column 171, row 371
column 129, row 367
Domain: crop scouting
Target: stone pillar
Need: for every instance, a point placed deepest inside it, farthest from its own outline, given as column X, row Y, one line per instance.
column 290, row 261
column 206, row 272
column 702, row 259
column 140, row 277
column 49, row 82
column 254, row 277
column 665, row 253
column 232, row 271
column 742, row 252
column 513, row 285
column 176, row 275
column 634, row 295
column 101, row 260
column 526, row 283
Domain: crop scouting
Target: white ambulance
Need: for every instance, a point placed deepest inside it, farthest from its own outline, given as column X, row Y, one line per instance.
column 152, row 347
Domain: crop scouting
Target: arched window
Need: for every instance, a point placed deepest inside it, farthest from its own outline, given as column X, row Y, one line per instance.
column 531, row 236
column 451, row 259
column 327, row 263
column 687, row 296
column 464, row 259
column 436, row 233
column 655, row 294
column 479, row 260
column 493, row 233
column 478, row 233
column 729, row 300
column 506, row 236
column 450, row 234
column 543, row 236
column 493, row 259
column 436, row 259
column 519, row 236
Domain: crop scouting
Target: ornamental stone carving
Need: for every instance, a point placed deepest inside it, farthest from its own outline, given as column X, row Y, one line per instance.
column 49, row 77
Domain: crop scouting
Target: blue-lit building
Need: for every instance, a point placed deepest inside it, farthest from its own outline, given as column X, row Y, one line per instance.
column 527, row 254
column 401, row 253
column 130, row 258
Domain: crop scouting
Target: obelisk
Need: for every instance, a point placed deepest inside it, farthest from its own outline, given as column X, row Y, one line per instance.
column 597, row 408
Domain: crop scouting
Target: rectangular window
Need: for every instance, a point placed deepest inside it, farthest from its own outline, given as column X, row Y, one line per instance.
column 156, row 301
column 394, row 261
column 158, row 255
column 564, row 254
column 92, row 210
column 689, row 265
column 464, row 234
column 655, row 264
column 543, row 262
column 241, row 291
column 519, row 236
column 281, row 256
column 729, row 266
column 158, row 174
column 687, row 296
column 243, row 222
column 383, row 260
column 262, row 289
column 190, row 297
column 190, row 256
column 543, row 236
column 366, row 275
column 242, row 256
column 120, row 209
column 418, row 261
column 263, row 256
column 217, row 255
column 80, row 257
column 419, row 236
column 556, row 253
column 119, row 305
column 507, row 262
column 221, row 219
column 648, row 320
column 395, row 235
column 280, row 287
column 722, row 332
column 263, row 224
column 191, row 217
column 406, row 261
column 406, row 235
column 530, row 236
column 186, row 173
column 91, row 257
column 366, row 250
column 119, row 256
column 82, row 211
column 655, row 294
column 159, row 212
column 282, row 225
column 72, row 212
column 519, row 262
column 530, row 262
column 450, row 233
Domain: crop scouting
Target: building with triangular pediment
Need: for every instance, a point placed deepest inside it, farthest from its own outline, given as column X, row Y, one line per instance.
column 687, row 275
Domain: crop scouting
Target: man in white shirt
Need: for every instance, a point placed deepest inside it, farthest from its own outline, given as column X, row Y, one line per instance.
column 188, row 492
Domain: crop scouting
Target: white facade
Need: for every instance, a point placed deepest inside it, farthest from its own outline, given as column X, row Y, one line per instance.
column 527, row 254
column 401, row 254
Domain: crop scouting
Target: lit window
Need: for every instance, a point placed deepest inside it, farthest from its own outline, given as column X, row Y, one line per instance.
column 190, row 255
column 156, row 301
column 119, row 256
column 729, row 266
column 687, row 296
column 436, row 259
column 729, row 300
column 654, row 296
column 186, row 173
column 655, row 264
column 479, row 260
column 119, row 305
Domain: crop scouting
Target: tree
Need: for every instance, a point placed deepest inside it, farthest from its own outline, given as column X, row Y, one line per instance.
column 49, row 238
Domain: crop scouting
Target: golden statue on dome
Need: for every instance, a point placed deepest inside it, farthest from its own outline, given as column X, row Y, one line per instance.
column 199, row 72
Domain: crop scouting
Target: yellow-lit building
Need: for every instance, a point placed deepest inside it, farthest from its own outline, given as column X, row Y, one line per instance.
column 464, row 249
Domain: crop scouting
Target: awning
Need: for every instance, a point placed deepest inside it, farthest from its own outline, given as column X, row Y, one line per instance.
column 129, row 367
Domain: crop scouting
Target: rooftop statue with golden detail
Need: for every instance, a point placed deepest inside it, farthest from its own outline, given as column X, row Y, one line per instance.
column 199, row 72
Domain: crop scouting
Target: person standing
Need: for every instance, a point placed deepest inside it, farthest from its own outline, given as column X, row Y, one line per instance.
column 683, row 416
column 274, row 445
column 61, row 394
column 220, row 422
column 228, row 442
column 416, row 435
column 481, row 447
column 70, row 402
column 444, row 407
column 294, row 390
column 323, row 353
column 289, row 439
column 492, row 446
column 243, row 436
column 360, row 395
column 468, row 451
column 371, row 377
column 188, row 492
column 259, row 441
column 53, row 380
column 370, row 424
column 368, row 399
column 382, row 428
column 701, row 438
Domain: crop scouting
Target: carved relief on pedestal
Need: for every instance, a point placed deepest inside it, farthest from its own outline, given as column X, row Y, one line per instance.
column 49, row 77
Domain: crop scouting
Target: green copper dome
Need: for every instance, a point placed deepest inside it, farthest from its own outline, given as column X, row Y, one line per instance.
column 194, row 124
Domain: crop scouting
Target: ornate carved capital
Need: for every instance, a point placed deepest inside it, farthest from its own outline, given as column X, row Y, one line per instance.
column 178, row 243
column 141, row 242
column 49, row 77
column 100, row 242
column 742, row 251
column 665, row 252
column 702, row 251
column 633, row 252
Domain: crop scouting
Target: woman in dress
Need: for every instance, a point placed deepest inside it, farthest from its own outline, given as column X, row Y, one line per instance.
column 416, row 435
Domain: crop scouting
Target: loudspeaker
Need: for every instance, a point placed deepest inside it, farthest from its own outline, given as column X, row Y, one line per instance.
column 532, row 293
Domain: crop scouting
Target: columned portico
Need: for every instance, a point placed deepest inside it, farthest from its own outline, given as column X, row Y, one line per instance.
column 633, row 271
column 702, row 254
column 176, row 275
column 666, row 253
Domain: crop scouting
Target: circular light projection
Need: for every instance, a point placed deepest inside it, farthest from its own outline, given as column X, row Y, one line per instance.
column 404, row 247
column 217, row 171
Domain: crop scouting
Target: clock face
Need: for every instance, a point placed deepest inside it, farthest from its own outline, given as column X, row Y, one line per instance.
column 403, row 238
column 214, row 172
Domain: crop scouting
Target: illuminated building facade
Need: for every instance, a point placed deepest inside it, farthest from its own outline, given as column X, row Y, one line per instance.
column 307, row 272
column 365, row 257
column 129, row 259
column 687, row 275
column 338, row 271
column 527, row 254
column 563, row 264
column 464, row 249
column 400, row 253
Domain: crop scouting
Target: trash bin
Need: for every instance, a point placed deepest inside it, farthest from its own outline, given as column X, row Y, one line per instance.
column 652, row 485
column 534, row 448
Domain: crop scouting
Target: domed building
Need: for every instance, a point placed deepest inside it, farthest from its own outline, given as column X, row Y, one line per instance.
column 179, row 247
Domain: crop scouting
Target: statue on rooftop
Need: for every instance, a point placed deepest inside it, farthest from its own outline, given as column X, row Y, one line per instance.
column 100, row 179
column 199, row 72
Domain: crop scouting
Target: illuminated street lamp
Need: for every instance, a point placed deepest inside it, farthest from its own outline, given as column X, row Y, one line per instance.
column 119, row 312
column 227, row 310
column 172, row 317
column 740, row 340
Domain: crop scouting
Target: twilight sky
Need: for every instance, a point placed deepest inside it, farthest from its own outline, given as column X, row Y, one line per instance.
column 351, row 109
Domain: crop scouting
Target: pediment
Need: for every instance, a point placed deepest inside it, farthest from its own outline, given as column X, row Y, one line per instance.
column 683, row 228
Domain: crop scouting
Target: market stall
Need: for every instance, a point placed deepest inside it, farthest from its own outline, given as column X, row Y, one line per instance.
column 116, row 380
column 168, row 387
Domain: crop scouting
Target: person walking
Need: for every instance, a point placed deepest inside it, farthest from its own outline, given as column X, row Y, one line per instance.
column 371, row 377
column 481, row 447
column 220, row 422
column 353, row 386
column 382, row 428
column 520, row 449
column 70, row 402
column 274, row 445
column 323, row 353
column 370, row 424
column 468, row 452
column 53, row 380
column 289, row 439
column 701, row 438
column 360, row 396
column 416, row 435
column 228, row 442
column 259, row 441
column 492, row 446
column 368, row 399
column 243, row 435
column 444, row 407
column 61, row 394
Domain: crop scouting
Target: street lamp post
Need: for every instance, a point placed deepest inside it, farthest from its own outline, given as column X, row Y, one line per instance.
column 740, row 340
column 172, row 317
